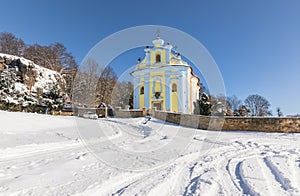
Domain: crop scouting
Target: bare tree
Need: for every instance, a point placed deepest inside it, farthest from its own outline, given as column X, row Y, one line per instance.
column 241, row 111
column 54, row 56
column 234, row 103
column 40, row 55
column 258, row 105
column 10, row 44
column 203, row 89
column 85, row 84
column 122, row 94
column 106, row 84
column 63, row 58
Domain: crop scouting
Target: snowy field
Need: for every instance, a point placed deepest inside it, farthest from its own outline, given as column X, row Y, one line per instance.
column 52, row 155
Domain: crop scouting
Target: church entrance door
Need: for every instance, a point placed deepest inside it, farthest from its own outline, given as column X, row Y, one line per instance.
column 157, row 105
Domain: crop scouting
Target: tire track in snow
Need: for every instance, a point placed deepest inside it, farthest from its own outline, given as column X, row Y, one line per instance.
column 163, row 183
column 251, row 150
column 231, row 176
column 123, row 189
column 283, row 181
column 129, row 185
column 229, row 160
column 196, row 170
column 237, row 176
column 235, row 173
column 233, row 166
column 193, row 184
column 238, row 173
column 254, row 177
column 140, row 183
column 36, row 150
column 157, row 181
column 296, row 174
column 221, row 156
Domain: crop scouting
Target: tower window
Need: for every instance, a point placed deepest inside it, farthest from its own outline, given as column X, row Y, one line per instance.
column 174, row 87
column 158, row 59
column 142, row 90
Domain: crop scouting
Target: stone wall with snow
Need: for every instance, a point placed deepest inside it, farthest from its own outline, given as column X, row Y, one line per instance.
column 25, row 85
column 261, row 124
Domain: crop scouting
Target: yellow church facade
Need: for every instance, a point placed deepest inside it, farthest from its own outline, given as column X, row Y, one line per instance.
column 164, row 81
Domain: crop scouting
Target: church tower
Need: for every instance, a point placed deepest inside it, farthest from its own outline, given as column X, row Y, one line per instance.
column 163, row 80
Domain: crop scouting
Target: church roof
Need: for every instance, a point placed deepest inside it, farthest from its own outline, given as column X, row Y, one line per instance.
column 161, row 55
column 169, row 57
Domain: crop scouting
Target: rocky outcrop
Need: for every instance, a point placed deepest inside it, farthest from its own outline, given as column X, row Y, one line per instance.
column 25, row 85
column 2, row 65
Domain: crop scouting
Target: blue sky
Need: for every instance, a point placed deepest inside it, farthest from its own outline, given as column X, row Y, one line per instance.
column 256, row 44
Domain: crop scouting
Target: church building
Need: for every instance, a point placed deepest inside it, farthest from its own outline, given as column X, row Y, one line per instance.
column 163, row 80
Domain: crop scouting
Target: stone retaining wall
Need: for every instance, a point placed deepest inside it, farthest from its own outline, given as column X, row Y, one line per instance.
column 261, row 124
column 130, row 113
column 81, row 111
column 264, row 124
column 104, row 112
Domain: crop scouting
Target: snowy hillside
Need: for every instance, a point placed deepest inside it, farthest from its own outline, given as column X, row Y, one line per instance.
column 45, row 155
column 25, row 83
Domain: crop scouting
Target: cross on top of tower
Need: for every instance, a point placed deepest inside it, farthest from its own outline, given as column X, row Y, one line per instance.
column 157, row 33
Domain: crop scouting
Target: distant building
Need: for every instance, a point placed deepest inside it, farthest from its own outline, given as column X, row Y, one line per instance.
column 163, row 80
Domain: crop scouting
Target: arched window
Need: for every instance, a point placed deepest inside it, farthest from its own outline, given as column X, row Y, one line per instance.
column 142, row 90
column 174, row 87
column 158, row 60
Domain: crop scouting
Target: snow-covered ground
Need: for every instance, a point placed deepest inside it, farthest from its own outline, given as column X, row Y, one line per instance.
column 53, row 155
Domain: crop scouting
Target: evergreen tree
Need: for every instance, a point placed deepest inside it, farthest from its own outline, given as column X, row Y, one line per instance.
column 54, row 99
column 203, row 105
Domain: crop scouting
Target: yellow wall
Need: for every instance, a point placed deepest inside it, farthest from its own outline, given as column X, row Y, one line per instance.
column 157, row 87
column 153, row 54
column 174, row 99
column 174, row 102
column 142, row 97
column 142, row 101
column 163, row 56
column 152, row 57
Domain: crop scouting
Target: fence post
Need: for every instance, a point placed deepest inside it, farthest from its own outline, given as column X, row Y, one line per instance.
column 144, row 111
column 105, row 112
